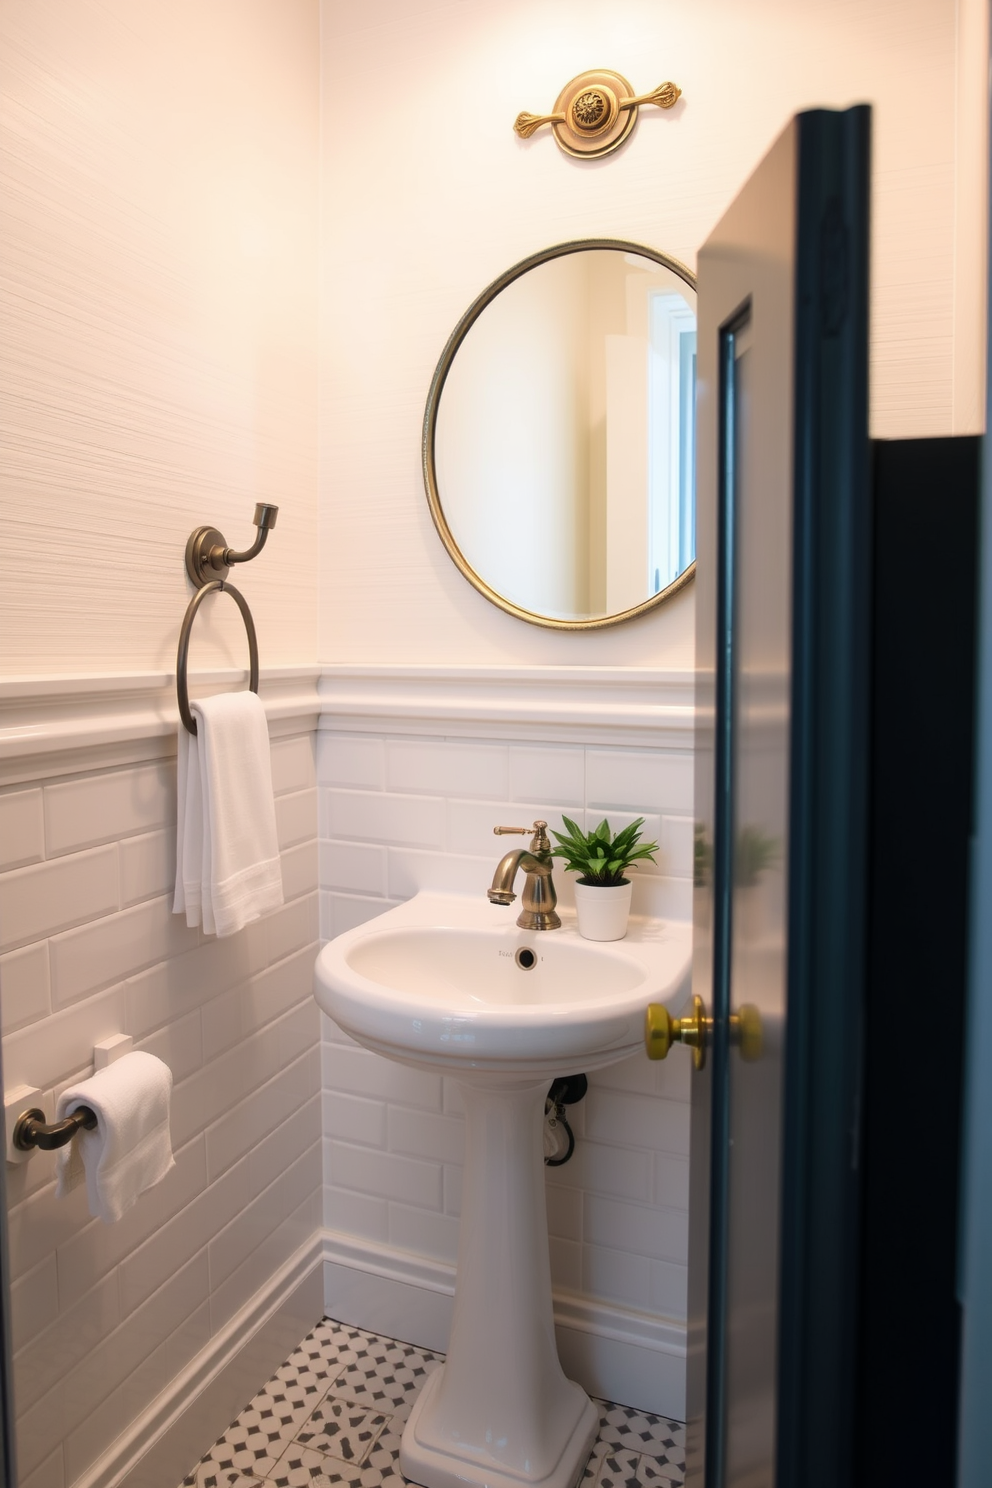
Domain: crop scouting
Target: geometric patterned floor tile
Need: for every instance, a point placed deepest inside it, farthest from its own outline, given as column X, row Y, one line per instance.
column 333, row 1414
column 342, row 1429
column 300, row 1467
column 636, row 1431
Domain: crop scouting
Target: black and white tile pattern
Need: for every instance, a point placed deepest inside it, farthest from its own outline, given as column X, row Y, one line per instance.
column 333, row 1414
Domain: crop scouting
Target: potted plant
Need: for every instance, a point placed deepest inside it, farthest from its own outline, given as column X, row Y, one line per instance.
column 602, row 890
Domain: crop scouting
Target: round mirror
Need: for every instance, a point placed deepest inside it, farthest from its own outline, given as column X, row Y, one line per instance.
column 559, row 435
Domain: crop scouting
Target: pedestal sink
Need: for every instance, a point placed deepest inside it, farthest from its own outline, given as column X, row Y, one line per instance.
column 450, row 984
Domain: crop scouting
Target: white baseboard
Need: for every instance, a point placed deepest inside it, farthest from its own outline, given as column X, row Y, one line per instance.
column 177, row 1428
column 630, row 1357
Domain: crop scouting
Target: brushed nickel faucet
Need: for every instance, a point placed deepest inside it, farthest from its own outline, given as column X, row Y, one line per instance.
column 539, row 898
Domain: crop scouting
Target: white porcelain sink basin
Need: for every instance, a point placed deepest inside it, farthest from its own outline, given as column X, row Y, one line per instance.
column 450, row 983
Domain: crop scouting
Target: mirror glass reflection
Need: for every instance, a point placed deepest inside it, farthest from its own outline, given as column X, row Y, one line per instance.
column 563, row 450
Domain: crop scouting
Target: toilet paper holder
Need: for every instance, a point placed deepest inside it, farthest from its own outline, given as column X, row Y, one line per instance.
column 31, row 1130
column 28, row 1131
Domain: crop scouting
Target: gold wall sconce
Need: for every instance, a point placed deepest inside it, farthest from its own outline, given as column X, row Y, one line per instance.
column 595, row 112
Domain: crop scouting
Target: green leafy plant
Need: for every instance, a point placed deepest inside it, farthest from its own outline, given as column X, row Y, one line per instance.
column 599, row 857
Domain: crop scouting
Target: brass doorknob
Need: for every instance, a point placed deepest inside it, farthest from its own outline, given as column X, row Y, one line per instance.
column 661, row 1031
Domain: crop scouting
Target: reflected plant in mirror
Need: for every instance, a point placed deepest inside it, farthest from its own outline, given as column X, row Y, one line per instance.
column 559, row 453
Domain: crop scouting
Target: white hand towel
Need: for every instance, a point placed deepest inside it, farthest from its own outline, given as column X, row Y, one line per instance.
column 130, row 1149
column 227, row 854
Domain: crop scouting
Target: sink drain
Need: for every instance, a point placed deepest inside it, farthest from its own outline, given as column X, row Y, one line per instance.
column 526, row 959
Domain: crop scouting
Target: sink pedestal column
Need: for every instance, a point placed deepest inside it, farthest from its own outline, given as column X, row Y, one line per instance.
column 500, row 1412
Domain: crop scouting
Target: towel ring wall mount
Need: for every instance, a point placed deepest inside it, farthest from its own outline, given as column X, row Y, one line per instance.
column 208, row 563
column 208, row 557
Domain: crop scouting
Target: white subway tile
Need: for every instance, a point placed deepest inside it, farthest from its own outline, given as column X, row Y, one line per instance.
column 566, row 1264
column 348, row 759
column 556, row 774
column 655, row 1231
column 669, row 1077
column 90, row 1251
column 411, row 870
column 210, row 1093
column 79, row 1395
column 100, row 808
column 22, row 829
column 238, row 1288
column 341, row 912
column 632, row 780
column 471, row 823
column 51, row 1473
column 363, row 1073
column 668, row 1296
column 51, row 1353
column 671, row 1180
column 677, row 846
column 249, row 1006
column 299, row 870
column 330, row 1034
column 292, row 764
column 25, row 991
column 90, row 1440
column 291, row 929
column 114, row 947
column 616, row 1276
column 273, row 1154
column 622, row 1172
column 659, row 898
column 423, row 1231
column 353, row 1213
column 355, row 867
column 267, row 1107
column 146, row 1383
column 184, row 982
column 245, row 1232
column 39, row 1225
column 406, row 821
column 148, row 866
column 149, row 1267
column 452, row 1189
column 648, row 1121
column 564, row 1211
column 55, row 1047
column 354, row 1119
column 34, row 1303
column 38, row 901
column 423, row 1134
column 296, row 817
column 385, row 1175
column 447, row 767
column 179, row 1045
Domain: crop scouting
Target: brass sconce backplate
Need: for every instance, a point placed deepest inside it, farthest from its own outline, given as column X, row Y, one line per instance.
column 595, row 112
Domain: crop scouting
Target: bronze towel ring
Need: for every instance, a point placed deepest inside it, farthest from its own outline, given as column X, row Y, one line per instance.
column 216, row 586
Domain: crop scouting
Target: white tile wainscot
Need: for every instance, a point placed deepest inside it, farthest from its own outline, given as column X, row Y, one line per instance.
column 136, row 1342
column 414, row 768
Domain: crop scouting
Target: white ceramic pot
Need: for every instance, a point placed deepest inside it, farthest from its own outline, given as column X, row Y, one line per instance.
column 602, row 912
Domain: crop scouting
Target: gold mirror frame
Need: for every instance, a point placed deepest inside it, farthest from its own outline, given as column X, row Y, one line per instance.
column 559, row 250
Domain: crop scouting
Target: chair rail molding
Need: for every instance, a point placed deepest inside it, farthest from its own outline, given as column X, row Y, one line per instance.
column 63, row 725
column 634, row 706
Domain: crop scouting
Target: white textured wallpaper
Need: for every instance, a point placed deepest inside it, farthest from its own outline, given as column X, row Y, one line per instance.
column 433, row 196
column 158, row 288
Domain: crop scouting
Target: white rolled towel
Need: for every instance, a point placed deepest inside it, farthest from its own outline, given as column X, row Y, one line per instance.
column 130, row 1149
column 228, row 871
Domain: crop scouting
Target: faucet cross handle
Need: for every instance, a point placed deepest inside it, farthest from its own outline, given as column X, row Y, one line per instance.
column 539, row 841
